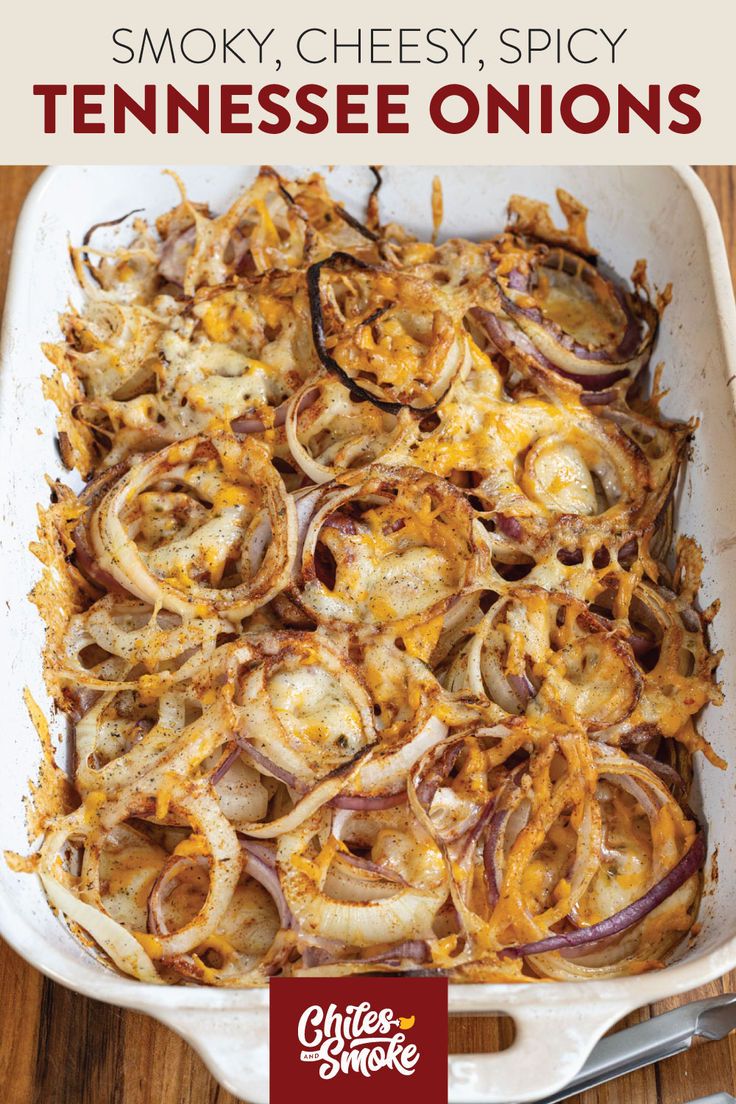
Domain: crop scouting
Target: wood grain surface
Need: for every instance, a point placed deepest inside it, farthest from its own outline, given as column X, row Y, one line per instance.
column 59, row 1048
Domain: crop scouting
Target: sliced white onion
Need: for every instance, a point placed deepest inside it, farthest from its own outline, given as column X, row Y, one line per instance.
column 405, row 914
column 241, row 462
column 122, row 947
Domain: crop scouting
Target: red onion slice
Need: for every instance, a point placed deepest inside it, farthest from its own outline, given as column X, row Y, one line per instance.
column 364, row 802
column 159, row 890
column 260, row 867
column 593, row 367
column 663, row 771
column 224, row 765
column 438, row 772
column 509, row 338
column 495, row 827
column 393, row 954
column 262, row 849
column 84, row 556
column 414, row 950
column 371, row 867
column 511, row 527
column 598, row 398
column 269, row 767
column 176, row 250
column 523, row 688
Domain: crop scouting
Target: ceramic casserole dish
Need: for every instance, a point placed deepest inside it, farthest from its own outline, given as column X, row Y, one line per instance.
column 661, row 213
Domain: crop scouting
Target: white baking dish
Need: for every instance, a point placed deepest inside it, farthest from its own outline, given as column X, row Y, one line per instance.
column 660, row 213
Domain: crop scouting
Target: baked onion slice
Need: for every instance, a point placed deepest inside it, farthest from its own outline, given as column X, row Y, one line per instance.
column 115, row 347
column 361, row 912
column 642, row 897
column 329, row 433
column 202, row 528
column 84, row 559
column 588, row 325
column 194, row 804
column 667, row 636
column 543, row 653
column 121, row 640
column 561, row 482
column 59, row 871
column 261, row 230
column 303, row 711
column 393, row 339
column 82, row 896
column 251, row 942
column 579, row 315
column 238, row 355
column 387, row 546
column 125, row 734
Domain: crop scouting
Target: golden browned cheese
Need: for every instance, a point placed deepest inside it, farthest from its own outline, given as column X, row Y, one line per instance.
column 374, row 647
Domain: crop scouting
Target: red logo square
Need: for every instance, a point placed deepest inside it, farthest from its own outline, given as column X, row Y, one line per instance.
column 358, row 1038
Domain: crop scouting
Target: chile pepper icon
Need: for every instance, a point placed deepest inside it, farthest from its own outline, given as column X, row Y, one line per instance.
column 405, row 1024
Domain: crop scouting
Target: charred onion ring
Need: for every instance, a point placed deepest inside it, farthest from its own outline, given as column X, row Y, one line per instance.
column 442, row 336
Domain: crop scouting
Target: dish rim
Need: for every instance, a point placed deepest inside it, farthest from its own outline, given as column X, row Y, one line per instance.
column 617, row 995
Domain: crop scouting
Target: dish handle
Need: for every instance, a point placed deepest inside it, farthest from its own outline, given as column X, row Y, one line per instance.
column 552, row 1041
column 551, row 1044
column 233, row 1044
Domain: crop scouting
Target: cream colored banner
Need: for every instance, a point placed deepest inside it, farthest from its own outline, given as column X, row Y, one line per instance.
column 574, row 81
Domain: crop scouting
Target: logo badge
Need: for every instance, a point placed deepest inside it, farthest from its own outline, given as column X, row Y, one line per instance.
column 366, row 1035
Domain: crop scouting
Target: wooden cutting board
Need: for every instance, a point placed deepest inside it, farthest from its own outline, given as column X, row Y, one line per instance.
column 60, row 1048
